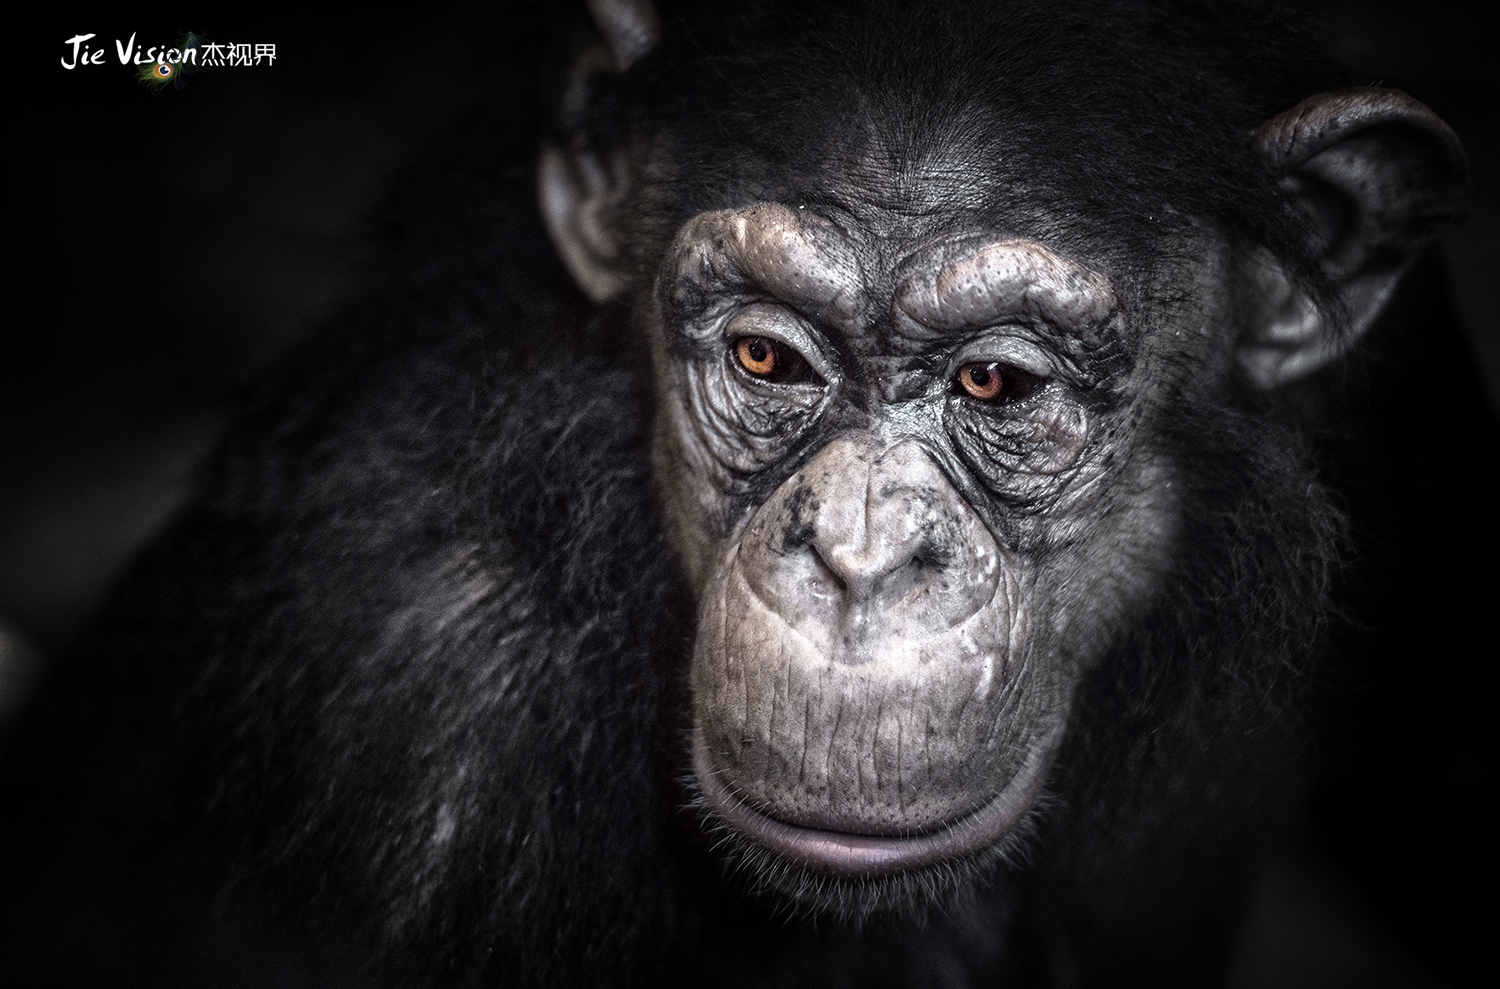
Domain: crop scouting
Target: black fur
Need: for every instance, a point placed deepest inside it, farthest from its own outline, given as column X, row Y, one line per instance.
column 400, row 697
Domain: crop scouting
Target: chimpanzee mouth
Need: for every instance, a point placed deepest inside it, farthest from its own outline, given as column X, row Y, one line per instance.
column 861, row 856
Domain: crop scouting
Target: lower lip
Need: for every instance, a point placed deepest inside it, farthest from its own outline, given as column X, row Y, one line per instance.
column 859, row 856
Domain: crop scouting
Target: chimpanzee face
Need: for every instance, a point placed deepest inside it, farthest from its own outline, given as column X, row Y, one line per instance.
column 889, row 488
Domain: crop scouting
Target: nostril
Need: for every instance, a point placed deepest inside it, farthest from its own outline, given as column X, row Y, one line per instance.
column 821, row 578
column 891, row 588
column 798, row 536
column 935, row 553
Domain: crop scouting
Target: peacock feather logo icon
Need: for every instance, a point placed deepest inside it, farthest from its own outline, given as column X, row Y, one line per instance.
column 156, row 75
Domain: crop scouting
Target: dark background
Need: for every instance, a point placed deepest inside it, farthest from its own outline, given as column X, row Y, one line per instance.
column 174, row 243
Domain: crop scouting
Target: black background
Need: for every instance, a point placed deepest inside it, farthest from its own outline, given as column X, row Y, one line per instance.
column 170, row 245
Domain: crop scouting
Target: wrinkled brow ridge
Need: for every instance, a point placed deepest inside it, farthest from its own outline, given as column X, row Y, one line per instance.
column 806, row 261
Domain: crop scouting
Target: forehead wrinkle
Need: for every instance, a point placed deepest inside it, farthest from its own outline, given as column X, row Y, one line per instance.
column 957, row 288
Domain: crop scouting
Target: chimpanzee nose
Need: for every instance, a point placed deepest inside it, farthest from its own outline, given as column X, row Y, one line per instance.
column 872, row 544
column 878, row 529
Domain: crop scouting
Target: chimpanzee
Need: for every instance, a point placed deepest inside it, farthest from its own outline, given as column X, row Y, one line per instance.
column 842, row 517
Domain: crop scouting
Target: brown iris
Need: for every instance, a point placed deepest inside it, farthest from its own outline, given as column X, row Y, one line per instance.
column 991, row 381
column 982, row 380
column 770, row 359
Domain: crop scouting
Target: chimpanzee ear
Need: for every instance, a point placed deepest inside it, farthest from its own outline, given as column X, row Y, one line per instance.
column 579, row 186
column 630, row 28
column 1376, row 172
column 578, row 191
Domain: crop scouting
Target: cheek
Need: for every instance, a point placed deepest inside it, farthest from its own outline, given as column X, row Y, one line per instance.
column 690, row 485
column 1120, row 542
column 700, row 459
column 1023, row 456
column 1057, row 433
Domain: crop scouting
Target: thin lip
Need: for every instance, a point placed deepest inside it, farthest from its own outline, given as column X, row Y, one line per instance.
column 860, row 856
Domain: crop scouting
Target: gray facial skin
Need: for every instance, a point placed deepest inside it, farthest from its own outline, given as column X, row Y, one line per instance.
column 881, row 671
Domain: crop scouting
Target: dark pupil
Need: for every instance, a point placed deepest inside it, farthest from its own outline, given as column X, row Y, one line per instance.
column 759, row 351
column 980, row 376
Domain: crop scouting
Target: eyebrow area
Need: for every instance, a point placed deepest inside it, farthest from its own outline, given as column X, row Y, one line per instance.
column 956, row 287
column 793, row 255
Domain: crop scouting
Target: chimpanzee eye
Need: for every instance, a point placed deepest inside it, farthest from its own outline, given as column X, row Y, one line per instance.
column 991, row 381
column 771, row 360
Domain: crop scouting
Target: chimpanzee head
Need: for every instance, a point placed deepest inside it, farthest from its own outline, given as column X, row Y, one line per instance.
column 928, row 302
